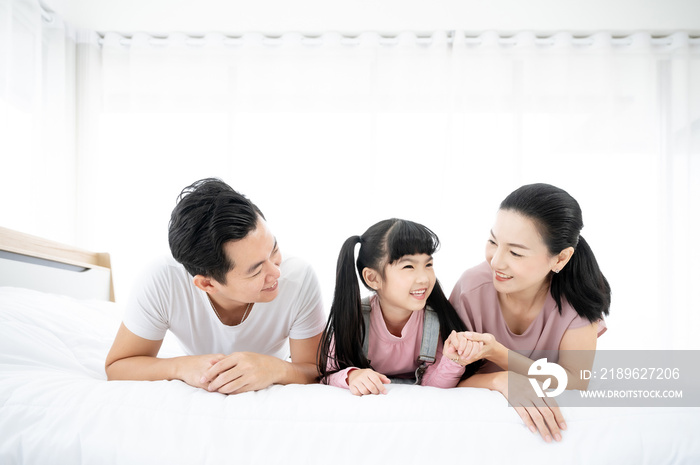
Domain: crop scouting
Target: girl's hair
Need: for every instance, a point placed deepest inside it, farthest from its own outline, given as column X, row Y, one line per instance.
column 382, row 244
column 557, row 217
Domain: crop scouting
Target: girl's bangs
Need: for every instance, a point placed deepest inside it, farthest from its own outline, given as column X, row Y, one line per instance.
column 409, row 238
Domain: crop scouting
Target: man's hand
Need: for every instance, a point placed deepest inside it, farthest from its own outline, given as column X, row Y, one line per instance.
column 190, row 368
column 242, row 372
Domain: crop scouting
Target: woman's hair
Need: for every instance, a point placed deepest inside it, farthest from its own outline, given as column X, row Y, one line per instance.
column 382, row 244
column 557, row 217
column 208, row 214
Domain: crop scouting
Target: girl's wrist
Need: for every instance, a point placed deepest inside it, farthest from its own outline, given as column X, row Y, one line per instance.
column 347, row 375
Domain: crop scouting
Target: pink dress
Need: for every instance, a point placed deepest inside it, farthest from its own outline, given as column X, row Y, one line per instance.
column 476, row 301
column 397, row 356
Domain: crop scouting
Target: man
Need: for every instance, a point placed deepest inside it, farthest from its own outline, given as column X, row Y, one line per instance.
column 230, row 299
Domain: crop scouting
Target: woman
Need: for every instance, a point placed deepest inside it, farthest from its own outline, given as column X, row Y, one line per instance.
column 539, row 291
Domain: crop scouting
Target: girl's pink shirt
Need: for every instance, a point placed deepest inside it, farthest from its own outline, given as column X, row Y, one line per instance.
column 398, row 356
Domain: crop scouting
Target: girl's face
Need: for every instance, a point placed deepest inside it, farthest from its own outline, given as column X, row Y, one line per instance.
column 519, row 258
column 407, row 283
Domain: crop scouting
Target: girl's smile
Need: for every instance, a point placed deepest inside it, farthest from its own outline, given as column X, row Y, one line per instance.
column 420, row 294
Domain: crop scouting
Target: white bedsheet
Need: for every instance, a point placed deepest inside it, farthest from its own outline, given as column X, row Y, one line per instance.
column 57, row 407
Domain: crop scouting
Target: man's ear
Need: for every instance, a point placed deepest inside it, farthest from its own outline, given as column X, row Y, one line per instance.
column 204, row 283
column 372, row 278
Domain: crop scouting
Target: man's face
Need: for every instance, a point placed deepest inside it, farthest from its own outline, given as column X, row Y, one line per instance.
column 256, row 269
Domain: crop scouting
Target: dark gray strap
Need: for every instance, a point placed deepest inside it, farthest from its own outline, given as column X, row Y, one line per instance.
column 429, row 341
column 431, row 333
column 366, row 309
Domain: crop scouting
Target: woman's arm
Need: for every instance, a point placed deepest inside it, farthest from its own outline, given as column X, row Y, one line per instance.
column 576, row 352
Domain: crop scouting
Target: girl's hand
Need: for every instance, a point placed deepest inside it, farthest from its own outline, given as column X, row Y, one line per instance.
column 490, row 348
column 461, row 349
column 367, row 381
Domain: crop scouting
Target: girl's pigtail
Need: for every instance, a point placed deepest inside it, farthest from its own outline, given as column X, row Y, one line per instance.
column 450, row 321
column 341, row 343
column 582, row 283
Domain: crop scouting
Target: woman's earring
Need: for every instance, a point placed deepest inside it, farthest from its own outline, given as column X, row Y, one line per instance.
column 556, row 271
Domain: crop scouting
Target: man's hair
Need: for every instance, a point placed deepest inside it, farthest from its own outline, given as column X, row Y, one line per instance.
column 208, row 214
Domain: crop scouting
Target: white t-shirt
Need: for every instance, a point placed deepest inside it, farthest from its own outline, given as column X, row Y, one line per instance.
column 167, row 299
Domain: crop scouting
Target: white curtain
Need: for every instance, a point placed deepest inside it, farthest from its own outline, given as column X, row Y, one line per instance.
column 37, row 121
column 330, row 134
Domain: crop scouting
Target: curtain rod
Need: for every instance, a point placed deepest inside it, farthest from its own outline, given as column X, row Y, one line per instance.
column 395, row 38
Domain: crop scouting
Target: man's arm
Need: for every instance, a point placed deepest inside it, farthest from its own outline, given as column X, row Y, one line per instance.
column 134, row 358
column 304, row 368
column 247, row 371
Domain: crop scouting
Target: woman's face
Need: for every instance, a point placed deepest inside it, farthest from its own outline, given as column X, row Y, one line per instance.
column 519, row 258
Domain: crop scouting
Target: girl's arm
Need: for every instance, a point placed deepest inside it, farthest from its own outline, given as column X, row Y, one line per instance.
column 444, row 373
column 339, row 378
column 359, row 381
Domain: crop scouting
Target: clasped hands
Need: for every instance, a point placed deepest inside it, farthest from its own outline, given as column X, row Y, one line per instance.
column 467, row 347
column 231, row 374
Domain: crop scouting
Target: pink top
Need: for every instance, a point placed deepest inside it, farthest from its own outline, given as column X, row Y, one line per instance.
column 476, row 301
column 398, row 356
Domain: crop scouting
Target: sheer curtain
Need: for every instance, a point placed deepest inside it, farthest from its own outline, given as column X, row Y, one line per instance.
column 37, row 121
column 331, row 133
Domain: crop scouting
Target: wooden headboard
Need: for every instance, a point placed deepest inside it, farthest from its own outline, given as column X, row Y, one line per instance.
column 37, row 263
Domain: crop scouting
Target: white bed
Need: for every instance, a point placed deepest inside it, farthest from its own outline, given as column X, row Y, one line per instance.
column 57, row 407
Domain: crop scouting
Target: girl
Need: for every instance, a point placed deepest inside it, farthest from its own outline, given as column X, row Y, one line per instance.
column 539, row 291
column 395, row 261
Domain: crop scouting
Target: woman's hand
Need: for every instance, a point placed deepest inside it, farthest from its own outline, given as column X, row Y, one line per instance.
column 462, row 350
column 538, row 413
column 367, row 381
column 490, row 349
